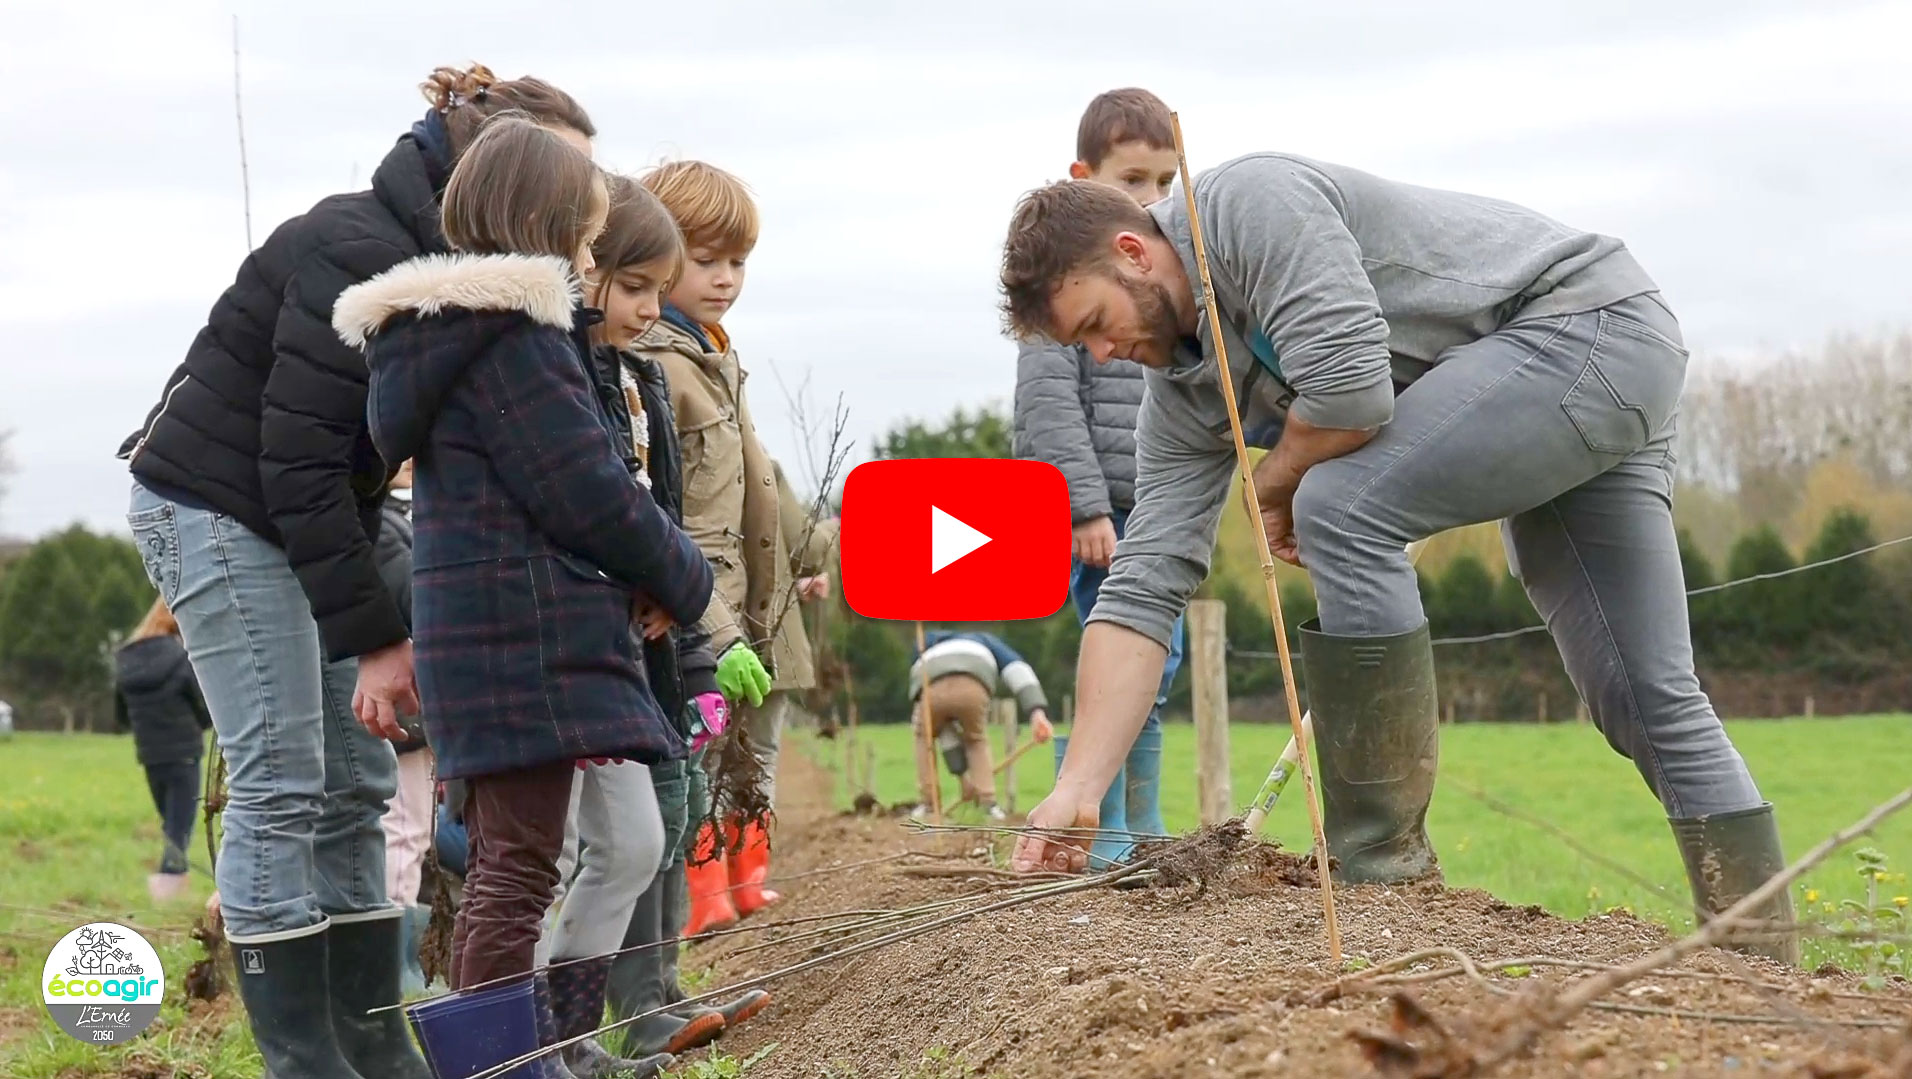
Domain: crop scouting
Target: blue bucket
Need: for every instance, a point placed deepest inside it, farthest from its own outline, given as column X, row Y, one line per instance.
column 466, row 1033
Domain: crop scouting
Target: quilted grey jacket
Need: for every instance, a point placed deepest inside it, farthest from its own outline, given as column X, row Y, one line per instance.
column 1079, row 416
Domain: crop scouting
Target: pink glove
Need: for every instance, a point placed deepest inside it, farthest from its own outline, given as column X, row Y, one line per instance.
column 716, row 715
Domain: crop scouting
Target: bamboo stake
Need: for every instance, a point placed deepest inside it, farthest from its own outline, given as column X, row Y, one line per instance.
column 929, row 732
column 1227, row 381
column 1278, row 776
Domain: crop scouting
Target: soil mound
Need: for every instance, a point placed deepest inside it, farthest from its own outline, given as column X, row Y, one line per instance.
column 1219, row 966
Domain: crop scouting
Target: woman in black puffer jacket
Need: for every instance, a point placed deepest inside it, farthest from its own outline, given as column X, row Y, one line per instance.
column 255, row 506
column 156, row 696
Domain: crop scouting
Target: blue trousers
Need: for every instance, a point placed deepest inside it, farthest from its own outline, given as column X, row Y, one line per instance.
column 1133, row 800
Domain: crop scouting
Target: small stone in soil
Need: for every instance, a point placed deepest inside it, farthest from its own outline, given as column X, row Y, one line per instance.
column 1058, row 972
column 1080, row 919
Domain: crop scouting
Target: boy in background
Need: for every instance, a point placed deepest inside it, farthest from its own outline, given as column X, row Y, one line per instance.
column 1080, row 417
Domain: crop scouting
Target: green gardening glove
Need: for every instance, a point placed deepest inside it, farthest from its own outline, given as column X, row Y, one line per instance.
column 741, row 675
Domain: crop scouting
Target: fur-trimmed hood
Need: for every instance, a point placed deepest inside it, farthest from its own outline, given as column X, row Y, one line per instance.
column 422, row 323
column 544, row 287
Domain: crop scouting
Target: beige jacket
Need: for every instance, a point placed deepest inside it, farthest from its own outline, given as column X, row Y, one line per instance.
column 730, row 489
column 807, row 556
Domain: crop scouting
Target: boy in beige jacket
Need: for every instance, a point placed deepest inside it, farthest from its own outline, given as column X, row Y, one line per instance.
column 730, row 504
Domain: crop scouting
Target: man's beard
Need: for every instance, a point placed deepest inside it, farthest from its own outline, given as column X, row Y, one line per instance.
column 1157, row 314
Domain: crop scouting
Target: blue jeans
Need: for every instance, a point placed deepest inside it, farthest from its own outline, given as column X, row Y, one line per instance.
column 307, row 785
column 1133, row 800
column 1085, row 583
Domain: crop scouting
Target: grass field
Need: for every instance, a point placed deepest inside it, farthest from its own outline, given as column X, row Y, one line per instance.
column 79, row 836
column 1822, row 773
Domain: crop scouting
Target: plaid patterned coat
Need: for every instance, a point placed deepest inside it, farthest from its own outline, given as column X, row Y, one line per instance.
column 531, row 536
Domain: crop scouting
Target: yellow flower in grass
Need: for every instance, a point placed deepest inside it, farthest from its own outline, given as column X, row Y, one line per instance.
column 1812, row 895
column 1879, row 875
column 1901, row 900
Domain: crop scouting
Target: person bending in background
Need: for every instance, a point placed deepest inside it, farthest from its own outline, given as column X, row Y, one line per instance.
column 965, row 672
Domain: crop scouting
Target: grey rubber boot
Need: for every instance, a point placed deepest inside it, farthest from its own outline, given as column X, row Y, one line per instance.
column 363, row 964
column 1376, row 734
column 673, row 912
column 1728, row 856
column 288, row 1008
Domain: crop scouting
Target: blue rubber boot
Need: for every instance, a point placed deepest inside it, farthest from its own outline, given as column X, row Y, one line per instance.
column 1107, row 850
column 1143, row 774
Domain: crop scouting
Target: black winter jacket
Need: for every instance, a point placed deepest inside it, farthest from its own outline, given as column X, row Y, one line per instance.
column 680, row 673
column 393, row 550
column 155, row 693
column 265, row 420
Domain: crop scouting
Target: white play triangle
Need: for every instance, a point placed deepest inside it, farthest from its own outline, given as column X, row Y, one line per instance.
column 950, row 539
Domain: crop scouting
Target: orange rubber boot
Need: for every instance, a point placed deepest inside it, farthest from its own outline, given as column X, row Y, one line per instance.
column 709, row 886
column 749, row 867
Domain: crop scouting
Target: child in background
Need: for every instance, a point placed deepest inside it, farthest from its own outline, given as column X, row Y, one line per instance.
column 1079, row 415
column 408, row 822
column 730, row 491
column 535, row 550
column 156, row 696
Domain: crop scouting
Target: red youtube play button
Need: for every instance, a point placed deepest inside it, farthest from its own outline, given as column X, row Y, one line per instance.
column 955, row 539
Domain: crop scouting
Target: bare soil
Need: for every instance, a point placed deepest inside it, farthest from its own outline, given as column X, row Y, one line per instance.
column 1227, row 972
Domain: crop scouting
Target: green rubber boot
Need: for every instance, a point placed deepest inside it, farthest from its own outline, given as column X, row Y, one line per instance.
column 1727, row 856
column 1376, row 734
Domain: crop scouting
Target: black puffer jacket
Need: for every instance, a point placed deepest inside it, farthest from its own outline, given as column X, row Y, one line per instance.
column 265, row 419
column 156, row 695
column 393, row 550
column 687, row 668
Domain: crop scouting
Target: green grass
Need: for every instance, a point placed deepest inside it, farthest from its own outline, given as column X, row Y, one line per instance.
column 1822, row 774
column 78, row 834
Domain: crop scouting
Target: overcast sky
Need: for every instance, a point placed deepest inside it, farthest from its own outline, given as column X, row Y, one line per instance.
column 1756, row 155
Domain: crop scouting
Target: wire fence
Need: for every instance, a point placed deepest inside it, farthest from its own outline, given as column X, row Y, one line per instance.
column 1525, row 631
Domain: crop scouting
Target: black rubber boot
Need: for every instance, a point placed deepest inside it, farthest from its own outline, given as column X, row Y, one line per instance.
column 288, row 1005
column 362, row 965
column 1728, row 856
column 550, row 1066
column 1376, row 734
column 577, row 1003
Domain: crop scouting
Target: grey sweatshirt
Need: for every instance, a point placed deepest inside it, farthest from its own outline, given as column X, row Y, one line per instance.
column 1333, row 285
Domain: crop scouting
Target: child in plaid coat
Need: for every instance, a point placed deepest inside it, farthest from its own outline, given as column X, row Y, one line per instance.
column 534, row 548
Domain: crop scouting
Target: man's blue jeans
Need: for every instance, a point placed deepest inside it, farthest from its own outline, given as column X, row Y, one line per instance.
column 1133, row 800
column 307, row 784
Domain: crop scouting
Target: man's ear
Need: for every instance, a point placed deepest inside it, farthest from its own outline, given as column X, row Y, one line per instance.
column 1078, row 171
column 1131, row 249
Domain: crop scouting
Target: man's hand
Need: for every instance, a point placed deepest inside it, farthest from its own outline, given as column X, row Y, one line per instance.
column 1278, row 524
column 818, row 587
column 1092, row 542
column 1039, row 725
column 386, row 690
column 1278, row 476
column 1062, row 810
column 741, row 675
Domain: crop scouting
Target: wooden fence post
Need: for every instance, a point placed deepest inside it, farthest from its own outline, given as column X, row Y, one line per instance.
column 1208, row 669
column 1809, row 708
column 1006, row 786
